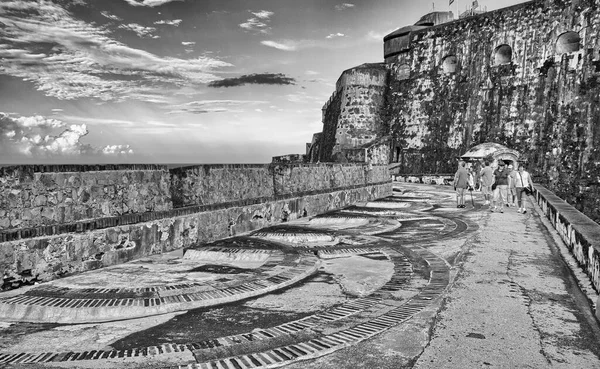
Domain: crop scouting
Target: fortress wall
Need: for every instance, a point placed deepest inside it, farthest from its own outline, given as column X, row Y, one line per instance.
column 33, row 196
column 357, row 119
column 214, row 184
column 544, row 103
column 42, row 253
column 291, row 179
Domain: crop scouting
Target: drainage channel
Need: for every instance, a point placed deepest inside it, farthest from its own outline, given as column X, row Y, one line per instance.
column 326, row 344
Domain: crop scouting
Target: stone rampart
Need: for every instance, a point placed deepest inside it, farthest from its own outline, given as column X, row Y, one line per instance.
column 214, row 184
column 211, row 202
column 33, row 196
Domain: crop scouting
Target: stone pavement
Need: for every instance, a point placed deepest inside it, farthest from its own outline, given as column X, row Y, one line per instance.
column 407, row 281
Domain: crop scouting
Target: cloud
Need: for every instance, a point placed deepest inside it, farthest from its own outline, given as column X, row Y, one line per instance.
column 38, row 137
column 117, row 150
column 149, row 3
column 311, row 73
column 212, row 106
column 294, row 45
column 111, row 16
column 256, row 79
column 344, row 6
column 263, row 14
column 333, row 35
column 188, row 43
column 70, row 59
column 174, row 22
column 258, row 23
column 141, row 31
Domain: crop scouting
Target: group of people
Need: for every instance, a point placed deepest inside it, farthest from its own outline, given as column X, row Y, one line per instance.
column 501, row 187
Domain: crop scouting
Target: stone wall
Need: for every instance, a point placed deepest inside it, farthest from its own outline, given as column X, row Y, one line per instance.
column 35, row 196
column 525, row 77
column 290, row 179
column 214, row 184
column 212, row 202
column 354, row 116
column 541, row 98
column 580, row 234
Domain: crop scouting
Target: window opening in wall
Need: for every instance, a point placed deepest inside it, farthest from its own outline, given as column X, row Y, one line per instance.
column 568, row 42
column 449, row 64
column 503, row 55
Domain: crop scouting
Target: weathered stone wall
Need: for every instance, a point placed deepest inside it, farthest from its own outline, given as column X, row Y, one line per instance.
column 543, row 102
column 580, row 234
column 32, row 197
column 213, row 202
column 214, row 184
column 290, row 179
column 355, row 115
column 526, row 77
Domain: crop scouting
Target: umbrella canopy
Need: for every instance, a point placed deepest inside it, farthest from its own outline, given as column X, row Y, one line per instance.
column 497, row 151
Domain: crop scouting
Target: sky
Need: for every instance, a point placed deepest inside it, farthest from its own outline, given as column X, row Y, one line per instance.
column 181, row 81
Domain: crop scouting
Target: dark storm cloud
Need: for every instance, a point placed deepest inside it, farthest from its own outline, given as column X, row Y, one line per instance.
column 255, row 79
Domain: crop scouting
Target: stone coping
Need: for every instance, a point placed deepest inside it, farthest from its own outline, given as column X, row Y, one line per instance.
column 70, row 168
column 587, row 231
column 128, row 219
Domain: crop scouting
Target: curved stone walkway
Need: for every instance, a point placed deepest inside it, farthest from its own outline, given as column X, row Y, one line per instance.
column 284, row 256
column 55, row 302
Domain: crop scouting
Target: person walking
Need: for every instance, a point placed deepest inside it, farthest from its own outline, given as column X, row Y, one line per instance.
column 523, row 183
column 461, row 182
column 512, row 190
column 486, row 177
column 501, row 191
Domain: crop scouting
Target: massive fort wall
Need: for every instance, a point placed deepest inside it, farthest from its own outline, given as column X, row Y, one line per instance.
column 154, row 210
column 525, row 77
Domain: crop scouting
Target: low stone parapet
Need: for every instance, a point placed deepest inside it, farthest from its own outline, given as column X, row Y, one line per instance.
column 580, row 233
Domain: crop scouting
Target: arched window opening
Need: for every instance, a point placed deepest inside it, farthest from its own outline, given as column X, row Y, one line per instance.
column 568, row 42
column 449, row 64
column 502, row 55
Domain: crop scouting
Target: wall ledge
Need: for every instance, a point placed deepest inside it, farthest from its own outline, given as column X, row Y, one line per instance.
column 135, row 218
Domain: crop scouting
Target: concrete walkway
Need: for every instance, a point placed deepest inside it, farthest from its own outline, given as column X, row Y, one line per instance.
column 513, row 304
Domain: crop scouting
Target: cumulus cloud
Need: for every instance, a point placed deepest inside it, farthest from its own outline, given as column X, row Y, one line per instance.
column 344, row 6
column 256, row 79
column 139, row 30
column 38, row 137
column 174, row 22
column 149, row 3
column 259, row 23
column 117, row 150
column 334, row 35
column 80, row 60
